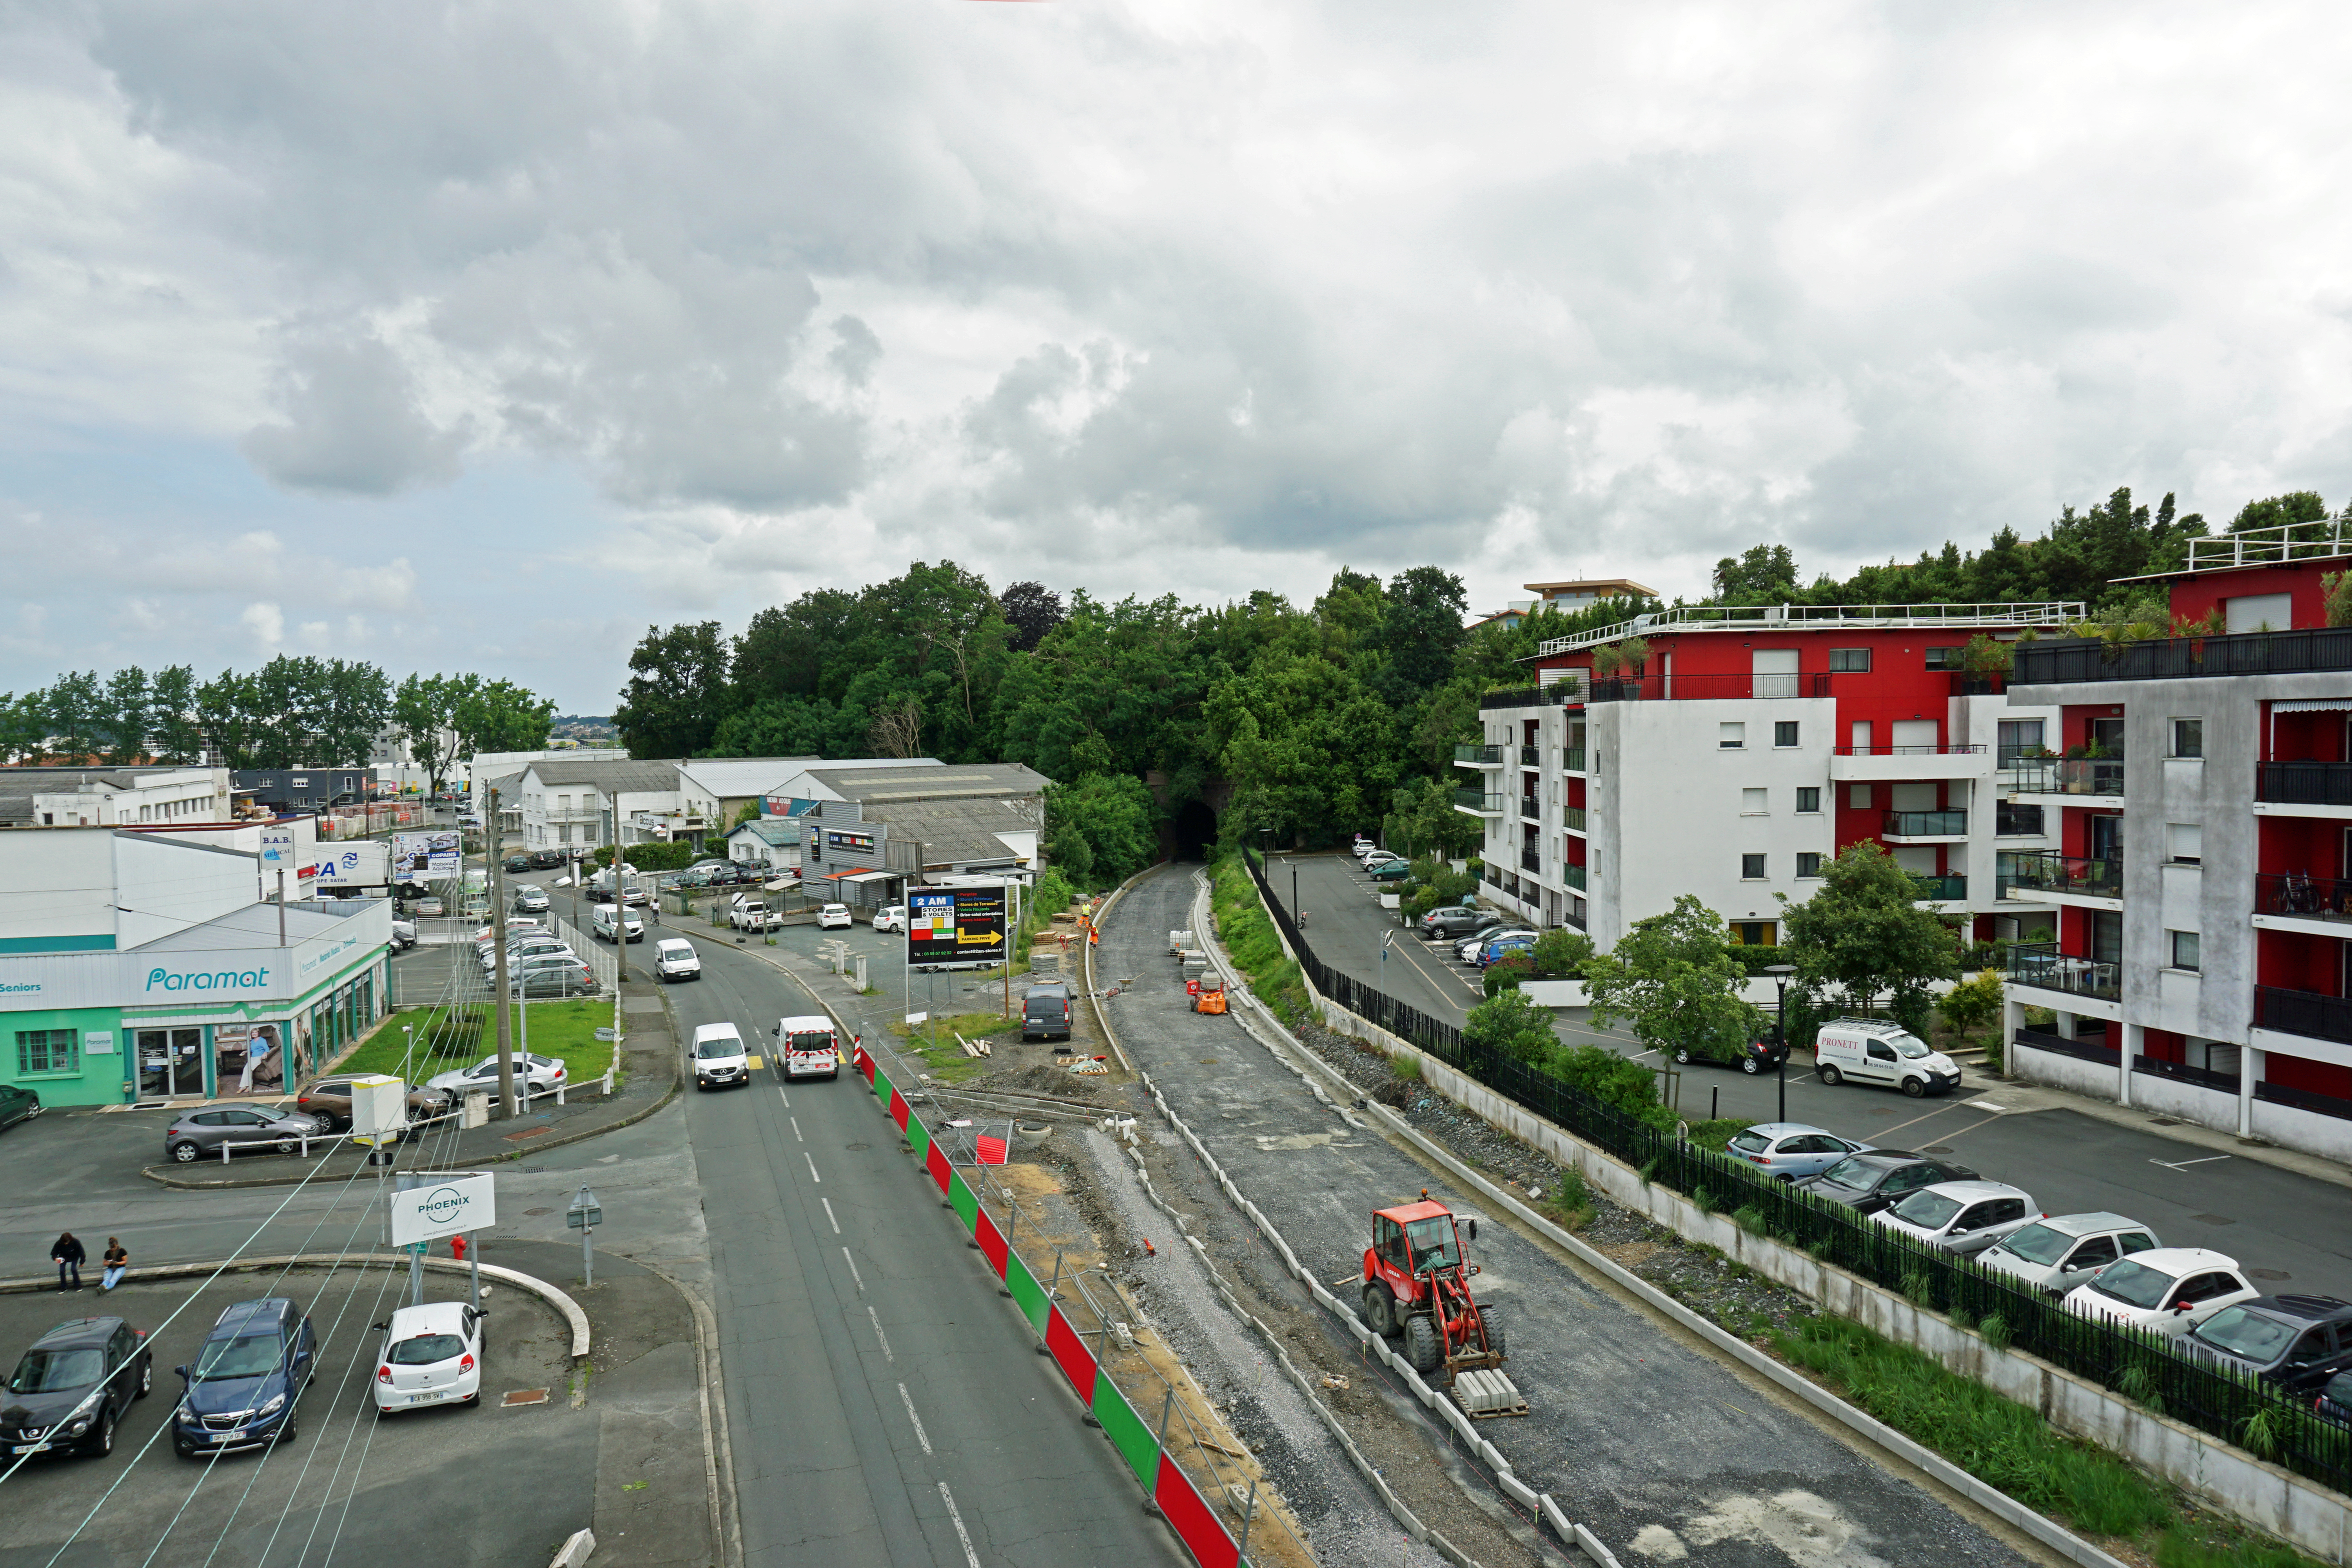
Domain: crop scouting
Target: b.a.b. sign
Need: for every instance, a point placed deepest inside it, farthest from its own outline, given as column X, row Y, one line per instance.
column 449, row 1207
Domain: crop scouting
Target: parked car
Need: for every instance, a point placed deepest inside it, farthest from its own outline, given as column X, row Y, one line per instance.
column 531, row 901
column 1392, row 871
column 1454, row 920
column 17, row 1105
column 890, row 917
column 753, row 914
column 546, row 860
column 1790, row 1150
column 1869, row 1182
column 246, row 1380
column 2058, row 1252
column 428, row 908
column 529, row 947
column 2165, row 1290
column 1874, row 1051
column 550, row 975
column 810, row 1046
column 543, row 1073
column 404, row 935
column 330, row 1099
column 73, row 1386
column 196, row 1133
column 1962, row 1218
column 611, row 923
column 432, row 1355
column 722, row 1060
column 675, row 958
column 834, row 917
column 1047, row 1013
column 2334, row 1401
column 1751, row 1056
column 518, row 863
column 1499, row 947
column 2296, row 1341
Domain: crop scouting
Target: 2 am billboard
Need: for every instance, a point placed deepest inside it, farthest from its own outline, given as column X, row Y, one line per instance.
column 955, row 925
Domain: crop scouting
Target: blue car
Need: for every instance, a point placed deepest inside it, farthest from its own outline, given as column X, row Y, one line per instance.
column 1503, row 946
column 246, row 1379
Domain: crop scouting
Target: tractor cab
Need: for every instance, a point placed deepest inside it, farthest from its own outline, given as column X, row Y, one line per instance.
column 1416, row 1285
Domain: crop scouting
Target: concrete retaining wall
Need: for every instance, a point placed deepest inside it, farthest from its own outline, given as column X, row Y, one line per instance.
column 2293, row 1128
column 2058, row 1071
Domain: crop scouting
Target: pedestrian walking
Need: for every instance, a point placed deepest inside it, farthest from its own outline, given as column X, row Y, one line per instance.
column 69, row 1256
column 118, row 1264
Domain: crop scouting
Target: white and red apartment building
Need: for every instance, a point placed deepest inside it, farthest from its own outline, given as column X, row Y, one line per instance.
column 2201, row 856
column 1750, row 746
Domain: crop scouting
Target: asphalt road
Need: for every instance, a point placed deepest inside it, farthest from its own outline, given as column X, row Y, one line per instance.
column 1636, row 1430
column 2291, row 1232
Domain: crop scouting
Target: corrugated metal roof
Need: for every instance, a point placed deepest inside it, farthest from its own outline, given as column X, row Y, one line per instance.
column 630, row 777
column 256, row 925
column 975, row 781
column 954, row 831
column 731, row 777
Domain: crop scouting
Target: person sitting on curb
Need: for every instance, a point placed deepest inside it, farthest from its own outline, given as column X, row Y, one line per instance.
column 118, row 1264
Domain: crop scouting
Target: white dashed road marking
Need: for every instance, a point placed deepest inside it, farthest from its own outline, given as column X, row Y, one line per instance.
column 828, row 1214
column 854, row 1274
column 920, row 1436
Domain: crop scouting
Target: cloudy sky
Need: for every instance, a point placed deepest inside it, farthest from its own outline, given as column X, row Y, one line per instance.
column 483, row 335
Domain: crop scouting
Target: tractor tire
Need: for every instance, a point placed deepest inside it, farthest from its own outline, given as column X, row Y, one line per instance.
column 1424, row 1345
column 1495, row 1338
column 1379, row 1310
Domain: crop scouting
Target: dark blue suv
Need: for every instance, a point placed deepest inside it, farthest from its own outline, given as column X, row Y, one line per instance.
column 242, row 1389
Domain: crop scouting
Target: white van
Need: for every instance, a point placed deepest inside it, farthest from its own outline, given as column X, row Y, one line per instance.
column 810, row 1045
column 1878, row 1051
column 720, row 1059
column 610, row 920
column 675, row 958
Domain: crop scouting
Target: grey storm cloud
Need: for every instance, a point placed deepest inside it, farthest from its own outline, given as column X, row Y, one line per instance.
column 353, row 423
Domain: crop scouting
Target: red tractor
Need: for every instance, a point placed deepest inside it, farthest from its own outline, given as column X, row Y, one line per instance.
column 1416, row 1284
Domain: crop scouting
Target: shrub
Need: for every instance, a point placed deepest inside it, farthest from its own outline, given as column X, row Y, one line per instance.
column 1505, row 973
column 1561, row 950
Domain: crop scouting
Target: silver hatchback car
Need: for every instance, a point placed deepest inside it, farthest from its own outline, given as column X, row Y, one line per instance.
column 1790, row 1151
column 1964, row 1217
column 196, row 1133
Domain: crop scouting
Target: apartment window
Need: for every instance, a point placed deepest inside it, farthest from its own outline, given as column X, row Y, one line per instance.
column 1756, row 934
column 1942, row 658
column 48, row 1050
column 2184, row 949
column 2017, row 737
column 1753, row 801
column 2184, row 843
column 2189, row 737
column 1751, row 868
column 2015, row 821
column 1731, row 737
column 1809, row 798
column 1857, row 797
column 1809, row 863
column 563, row 833
column 1848, row 661
column 1784, row 732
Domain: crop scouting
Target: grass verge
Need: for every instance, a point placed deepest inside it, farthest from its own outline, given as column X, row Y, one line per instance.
column 945, row 1059
column 1252, row 943
column 445, row 1038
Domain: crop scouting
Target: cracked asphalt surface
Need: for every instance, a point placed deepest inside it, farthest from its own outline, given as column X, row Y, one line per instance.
column 1663, row 1452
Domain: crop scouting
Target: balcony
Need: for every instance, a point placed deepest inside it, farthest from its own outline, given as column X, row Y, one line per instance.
column 1530, row 756
column 1572, row 876
column 2040, row 964
column 2296, row 900
column 1529, row 861
column 1951, row 886
column 1561, row 694
column 1956, row 618
column 1478, row 756
column 1896, row 764
column 1925, row 826
column 1659, row 688
column 2328, row 786
column 2171, row 659
column 1571, row 759
column 1572, row 818
column 1478, row 803
column 2046, row 877
column 2098, row 776
column 2309, row 1014
column 1530, row 808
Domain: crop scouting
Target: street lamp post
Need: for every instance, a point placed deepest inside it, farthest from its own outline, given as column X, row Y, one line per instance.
column 1779, row 974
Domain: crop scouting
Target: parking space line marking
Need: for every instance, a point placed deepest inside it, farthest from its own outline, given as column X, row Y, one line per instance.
column 880, row 1336
column 854, row 1274
column 828, row 1214
column 970, row 1556
column 797, row 1127
column 812, row 1159
column 920, row 1436
column 2184, row 1164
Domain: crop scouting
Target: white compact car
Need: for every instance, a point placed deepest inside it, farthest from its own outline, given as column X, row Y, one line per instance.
column 890, row 917
column 1875, row 1051
column 810, row 1046
column 1964, row 1217
column 2166, row 1290
column 834, row 917
column 2058, row 1252
column 675, row 958
column 432, row 1355
column 720, row 1059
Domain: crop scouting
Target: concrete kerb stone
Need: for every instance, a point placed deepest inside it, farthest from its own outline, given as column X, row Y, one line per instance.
column 717, row 1446
column 564, row 1304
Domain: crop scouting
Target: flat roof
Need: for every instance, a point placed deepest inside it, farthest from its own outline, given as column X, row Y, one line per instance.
column 256, row 925
column 1627, row 584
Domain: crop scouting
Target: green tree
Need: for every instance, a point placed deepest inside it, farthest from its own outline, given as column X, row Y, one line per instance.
column 24, row 727
column 77, row 715
column 227, row 712
column 1561, row 951
column 677, row 692
column 1507, row 1023
column 793, row 726
column 1113, row 815
column 1766, row 573
column 1425, row 822
column 1864, row 935
column 1672, row 980
column 2275, row 511
column 128, row 705
column 174, row 733
column 500, row 716
column 1614, row 1080
column 1973, row 1004
column 425, row 708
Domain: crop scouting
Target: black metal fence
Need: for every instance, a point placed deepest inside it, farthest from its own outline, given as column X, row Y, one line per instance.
column 2245, row 653
column 2140, row 1365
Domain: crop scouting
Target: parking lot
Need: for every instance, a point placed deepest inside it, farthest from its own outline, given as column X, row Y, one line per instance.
column 488, row 1484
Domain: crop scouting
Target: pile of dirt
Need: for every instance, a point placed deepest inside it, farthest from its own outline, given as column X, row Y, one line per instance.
column 1039, row 1079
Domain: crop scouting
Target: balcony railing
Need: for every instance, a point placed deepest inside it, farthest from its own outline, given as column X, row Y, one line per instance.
column 1943, row 889
column 2092, row 1048
column 2171, row 659
column 2067, row 776
column 2048, row 871
column 2310, row 1014
column 2300, row 894
column 1908, row 751
column 2303, row 784
column 1479, row 756
column 2184, row 1072
column 1571, row 758
column 1829, row 617
column 1530, row 808
column 1530, row 756
column 1478, row 801
column 1529, row 861
column 1564, row 694
column 1653, row 687
column 2040, row 963
column 1573, row 876
column 1926, row 824
column 1572, row 816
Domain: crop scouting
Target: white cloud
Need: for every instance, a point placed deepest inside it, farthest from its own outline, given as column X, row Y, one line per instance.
column 266, row 625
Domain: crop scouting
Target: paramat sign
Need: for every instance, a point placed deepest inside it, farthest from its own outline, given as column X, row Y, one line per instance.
column 955, row 925
column 165, row 979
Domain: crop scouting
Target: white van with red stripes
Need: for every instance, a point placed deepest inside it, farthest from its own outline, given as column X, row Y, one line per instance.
column 810, row 1046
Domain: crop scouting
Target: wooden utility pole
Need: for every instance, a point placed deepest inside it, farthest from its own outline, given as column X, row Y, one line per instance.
column 498, row 880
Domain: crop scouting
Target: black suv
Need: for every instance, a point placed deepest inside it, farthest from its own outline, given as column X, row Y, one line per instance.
column 1878, row 1179
column 2296, row 1341
column 55, row 1399
column 1749, row 1057
column 244, row 1383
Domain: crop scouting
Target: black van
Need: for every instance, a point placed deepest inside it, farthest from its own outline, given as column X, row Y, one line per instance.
column 1046, row 1013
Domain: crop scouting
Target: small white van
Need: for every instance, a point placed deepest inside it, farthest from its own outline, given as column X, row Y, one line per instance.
column 1879, row 1051
column 720, row 1059
column 675, row 958
column 610, row 920
column 810, row 1046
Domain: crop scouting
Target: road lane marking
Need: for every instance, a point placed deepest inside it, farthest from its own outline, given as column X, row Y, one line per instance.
column 2184, row 1164
column 878, row 1334
column 970, row 1556
column 1930, row 1117
column 812, row 1159
column 797, row 1127
column 920, row 1436
column 787, row 1099
column 828, row 1214
column 854, row 1274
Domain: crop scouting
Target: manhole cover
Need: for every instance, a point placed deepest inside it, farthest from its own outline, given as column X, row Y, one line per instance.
column 2213, row 1218
column 2269, row 1273
column 524, row 1396
column 857, row 1145
column 534, row 1214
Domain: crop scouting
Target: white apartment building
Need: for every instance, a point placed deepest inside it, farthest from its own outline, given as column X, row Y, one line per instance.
column 113, row 798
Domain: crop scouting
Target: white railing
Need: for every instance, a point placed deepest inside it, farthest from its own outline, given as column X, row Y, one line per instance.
column 604, row 966
column 2270, row 546
column 1828, row 618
